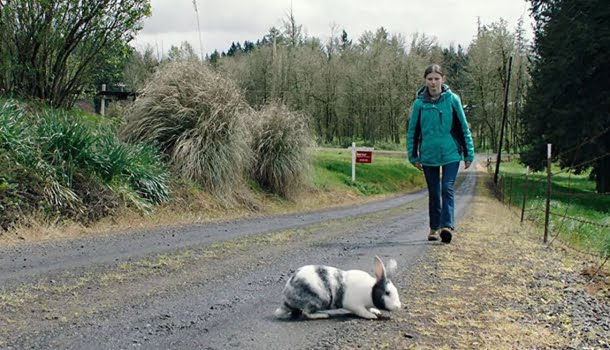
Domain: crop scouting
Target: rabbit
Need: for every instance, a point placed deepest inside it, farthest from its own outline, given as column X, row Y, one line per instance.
column 313, row 289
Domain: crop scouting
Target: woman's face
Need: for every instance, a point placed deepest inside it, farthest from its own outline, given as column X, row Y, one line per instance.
column 434, row 82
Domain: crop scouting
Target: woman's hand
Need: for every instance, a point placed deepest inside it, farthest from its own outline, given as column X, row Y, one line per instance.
column 467, row 164
column 419, row 166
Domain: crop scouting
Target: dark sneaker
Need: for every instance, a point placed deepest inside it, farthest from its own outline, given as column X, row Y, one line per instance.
column 446, row 235
column 433, row 235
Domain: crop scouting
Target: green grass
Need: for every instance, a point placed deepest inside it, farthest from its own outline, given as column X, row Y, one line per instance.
column 572, row 196
column 333, row 170
column 65, row 165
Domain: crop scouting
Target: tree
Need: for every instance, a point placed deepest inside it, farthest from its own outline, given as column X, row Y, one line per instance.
column 519, row 83
column 185, row 52
column 455, row 63
column 488, row 59
column 234, row 50
column 51, row 49
column 345, row 41
column 214, row 57
column 248, row 46
column 568, row 103
column 140, row 67
column 111, row 68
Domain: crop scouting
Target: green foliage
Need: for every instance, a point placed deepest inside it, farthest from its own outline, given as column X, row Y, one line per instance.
column 139, row 67
column 569, row 100
column 138, row 167
column 110, row 70
column 198, row 119
column 455, row 63
column 56, row 162
column 280, row 141
column 51, row 50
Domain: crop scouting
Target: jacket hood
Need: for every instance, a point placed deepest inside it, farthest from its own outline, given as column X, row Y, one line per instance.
column 422, row 93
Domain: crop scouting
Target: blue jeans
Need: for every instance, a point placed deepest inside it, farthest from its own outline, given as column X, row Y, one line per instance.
column 441, row 202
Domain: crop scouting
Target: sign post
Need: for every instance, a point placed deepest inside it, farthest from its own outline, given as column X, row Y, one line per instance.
column 360, row 155
column 103, row 103
column 353, row 162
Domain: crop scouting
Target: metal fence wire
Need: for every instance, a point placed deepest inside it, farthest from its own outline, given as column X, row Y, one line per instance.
column 504, row 191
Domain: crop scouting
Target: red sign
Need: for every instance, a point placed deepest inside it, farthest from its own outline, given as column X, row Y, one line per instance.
column 364, row 156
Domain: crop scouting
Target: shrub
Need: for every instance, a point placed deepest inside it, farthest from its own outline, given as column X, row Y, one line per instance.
column 280, row 141
column 63, row 165
column 198, row 119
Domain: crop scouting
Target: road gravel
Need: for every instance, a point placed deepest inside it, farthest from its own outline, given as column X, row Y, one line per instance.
column 211, row 286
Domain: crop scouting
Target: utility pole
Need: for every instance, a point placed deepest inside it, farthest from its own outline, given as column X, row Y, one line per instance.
column 198, row 29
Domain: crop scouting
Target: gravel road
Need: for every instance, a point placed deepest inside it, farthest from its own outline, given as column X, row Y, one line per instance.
column 211, row 286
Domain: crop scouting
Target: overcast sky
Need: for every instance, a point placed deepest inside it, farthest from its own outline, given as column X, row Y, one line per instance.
column 226, row 21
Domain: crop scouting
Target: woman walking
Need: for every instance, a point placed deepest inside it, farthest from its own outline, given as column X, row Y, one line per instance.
column 437, row 140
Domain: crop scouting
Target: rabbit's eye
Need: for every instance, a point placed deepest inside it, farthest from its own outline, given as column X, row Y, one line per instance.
column 387, row 293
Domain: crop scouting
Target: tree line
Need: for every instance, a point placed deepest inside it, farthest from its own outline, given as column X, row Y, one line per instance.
column 363, row 89
column 353, row 88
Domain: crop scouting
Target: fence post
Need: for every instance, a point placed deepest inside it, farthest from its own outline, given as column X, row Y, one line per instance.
column 527, row 171
column 501, row 182
column 353, row 162
column 510, row 191
column 548, row 194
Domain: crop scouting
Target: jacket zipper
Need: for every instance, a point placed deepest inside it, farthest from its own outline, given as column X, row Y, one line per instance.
column 440, row 118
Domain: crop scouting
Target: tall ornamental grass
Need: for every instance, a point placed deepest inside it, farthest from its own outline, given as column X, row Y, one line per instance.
column 60, row 164
column 199, row 119
column 280, row 141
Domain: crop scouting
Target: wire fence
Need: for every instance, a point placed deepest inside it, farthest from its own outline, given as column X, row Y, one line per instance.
column 535, row 199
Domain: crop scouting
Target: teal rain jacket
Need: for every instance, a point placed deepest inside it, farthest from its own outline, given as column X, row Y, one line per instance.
column 438, row 131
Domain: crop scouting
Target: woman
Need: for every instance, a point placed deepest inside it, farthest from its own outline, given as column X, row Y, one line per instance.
column 439, row 137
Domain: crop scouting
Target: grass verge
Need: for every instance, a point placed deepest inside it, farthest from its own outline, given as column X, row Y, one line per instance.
column 387, row 174
column 579, row 216
column 330, row 186
column 495, row 287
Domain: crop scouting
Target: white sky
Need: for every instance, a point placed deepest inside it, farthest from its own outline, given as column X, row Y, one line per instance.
column 226, row 21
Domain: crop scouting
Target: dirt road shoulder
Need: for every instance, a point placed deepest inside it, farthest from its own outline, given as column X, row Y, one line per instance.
column 496, row 287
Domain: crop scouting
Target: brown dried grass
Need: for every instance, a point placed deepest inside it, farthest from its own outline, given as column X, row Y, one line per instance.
column 200, row 120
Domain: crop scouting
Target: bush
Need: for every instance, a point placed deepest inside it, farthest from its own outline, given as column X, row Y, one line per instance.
column 198, row 119
column 56, row 162
column 280, row 141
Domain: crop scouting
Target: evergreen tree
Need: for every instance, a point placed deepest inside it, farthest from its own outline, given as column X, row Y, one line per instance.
column 248, row 46
column 214, row 57
column 345, row 41
column 234, row 50
column 568, row 102
column 455, row 63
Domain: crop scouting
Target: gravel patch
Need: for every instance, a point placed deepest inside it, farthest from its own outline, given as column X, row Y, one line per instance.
column 496, row 286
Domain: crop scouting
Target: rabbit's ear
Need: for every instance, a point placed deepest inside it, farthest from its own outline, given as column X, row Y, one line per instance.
column 391, row 268
column 379, row 269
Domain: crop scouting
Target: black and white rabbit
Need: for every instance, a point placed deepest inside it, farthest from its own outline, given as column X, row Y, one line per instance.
column 312, row 289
